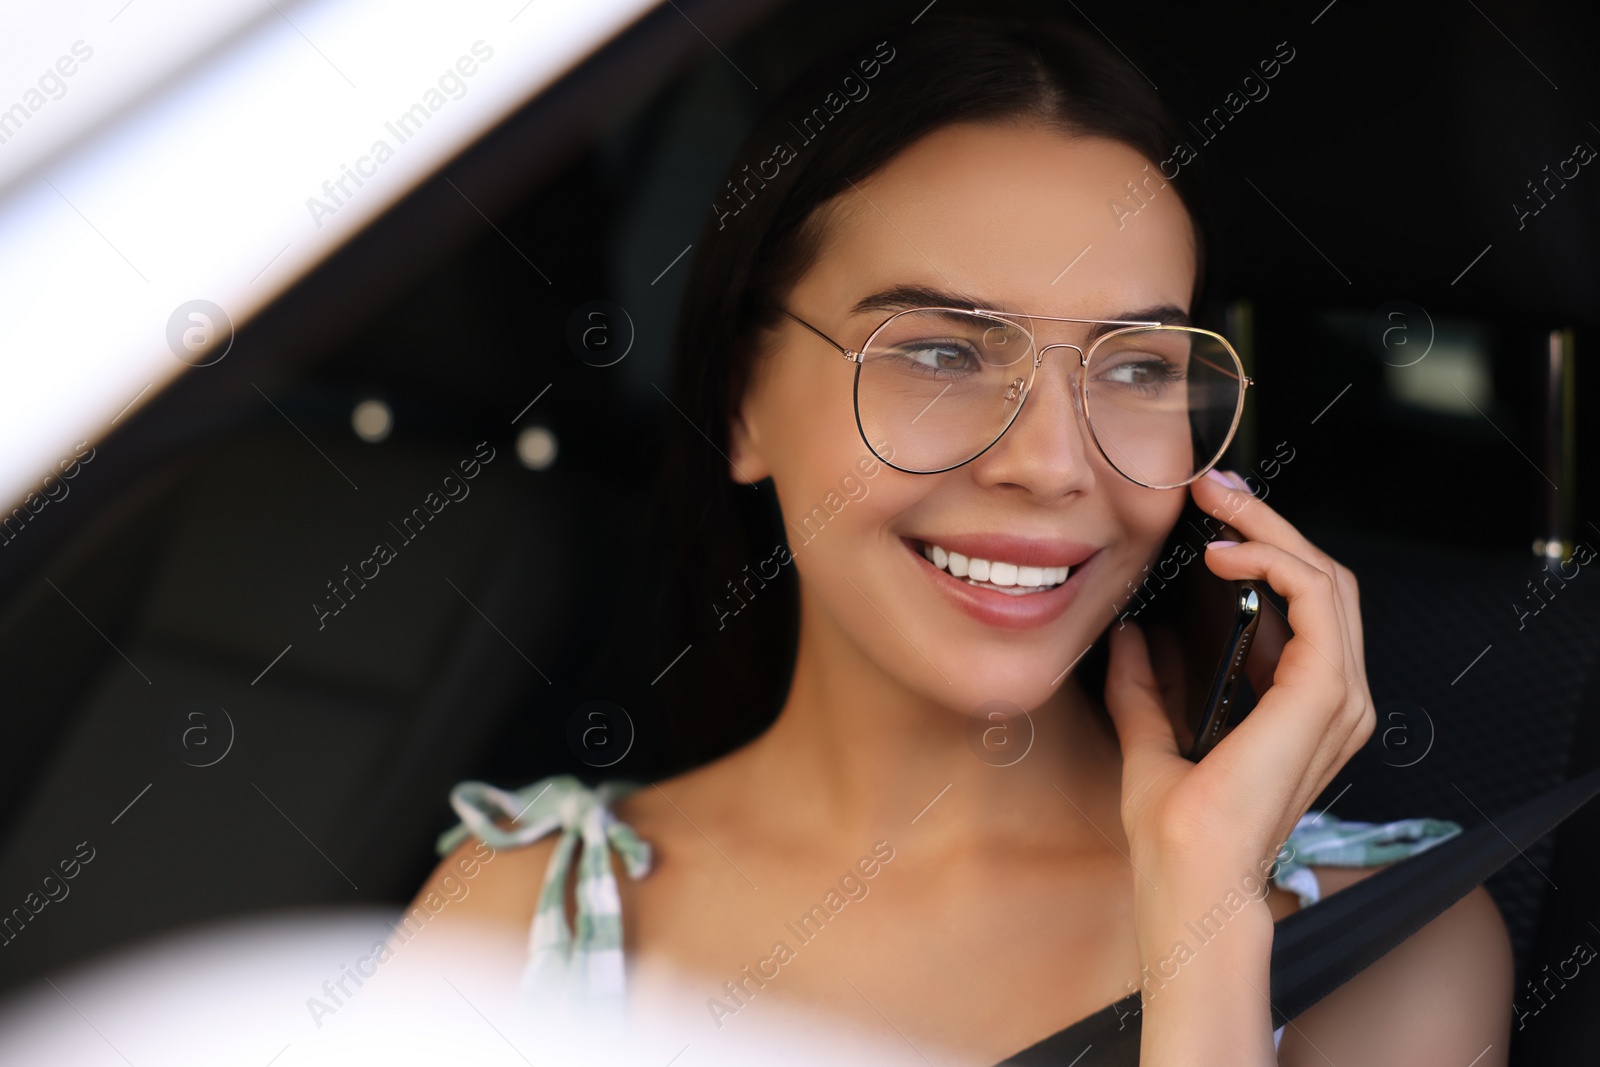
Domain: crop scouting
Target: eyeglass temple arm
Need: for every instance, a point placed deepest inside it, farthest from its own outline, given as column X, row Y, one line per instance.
column 845, row 352
column 1246, row 379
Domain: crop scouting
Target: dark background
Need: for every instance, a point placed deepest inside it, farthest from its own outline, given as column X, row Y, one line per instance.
column 1384, row 162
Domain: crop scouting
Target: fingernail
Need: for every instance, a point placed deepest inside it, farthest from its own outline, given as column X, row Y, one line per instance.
column 1220, row 478
column 1221, row 544
column 1238, row 481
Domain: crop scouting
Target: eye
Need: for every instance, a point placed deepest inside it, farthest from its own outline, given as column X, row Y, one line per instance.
column 939, row 356
column 1140, row 370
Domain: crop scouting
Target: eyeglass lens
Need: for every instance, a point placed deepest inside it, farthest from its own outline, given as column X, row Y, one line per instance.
column 942, row 385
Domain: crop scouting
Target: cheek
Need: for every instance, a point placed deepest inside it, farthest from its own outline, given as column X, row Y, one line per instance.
column 812, row 446
column 836, row 518
column 1149, row 514
column 835, row 526
column 1146, row 517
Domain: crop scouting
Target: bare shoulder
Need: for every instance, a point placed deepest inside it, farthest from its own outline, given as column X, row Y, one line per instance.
column 480, row 884
column 660, row 812
column 471, row 917
column 1442, row 996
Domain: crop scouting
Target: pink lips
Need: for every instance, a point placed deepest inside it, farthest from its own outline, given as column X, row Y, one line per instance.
column 1005, row 610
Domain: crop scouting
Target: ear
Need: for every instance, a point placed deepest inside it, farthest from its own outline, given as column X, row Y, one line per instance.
column 745, row 462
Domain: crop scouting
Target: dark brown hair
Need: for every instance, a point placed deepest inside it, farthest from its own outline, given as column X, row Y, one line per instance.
column 943, row 70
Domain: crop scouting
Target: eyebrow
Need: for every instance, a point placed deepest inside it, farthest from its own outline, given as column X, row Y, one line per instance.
column 906, row 297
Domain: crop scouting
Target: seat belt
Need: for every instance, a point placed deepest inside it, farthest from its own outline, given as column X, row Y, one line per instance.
column 1318, row 949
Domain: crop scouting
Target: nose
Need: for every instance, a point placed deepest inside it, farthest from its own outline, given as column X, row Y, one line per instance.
column 1047, row 449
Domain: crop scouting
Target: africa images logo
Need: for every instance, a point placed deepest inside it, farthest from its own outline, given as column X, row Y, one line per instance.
column 851, row 89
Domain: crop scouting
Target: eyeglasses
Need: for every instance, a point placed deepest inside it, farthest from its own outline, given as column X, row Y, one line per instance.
column 936, row 387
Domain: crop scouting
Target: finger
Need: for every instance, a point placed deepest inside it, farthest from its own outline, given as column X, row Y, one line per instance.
column 1366, row 715
column 1308, row 716
column 1348, row 659
column 1258, row 521
column 1312, row 595
column 1266, row 648
column 1350, row 596
column 1353, row 722
column 1134, row 699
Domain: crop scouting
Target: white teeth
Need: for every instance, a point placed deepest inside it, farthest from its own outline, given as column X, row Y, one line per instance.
column 1010, row 577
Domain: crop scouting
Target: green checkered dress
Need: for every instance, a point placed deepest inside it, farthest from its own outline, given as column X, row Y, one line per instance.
column 584, row 968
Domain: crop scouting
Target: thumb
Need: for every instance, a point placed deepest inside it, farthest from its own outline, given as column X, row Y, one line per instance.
column 1133, row 697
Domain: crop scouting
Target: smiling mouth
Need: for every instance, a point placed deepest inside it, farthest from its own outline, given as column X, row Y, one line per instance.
column 999, row 575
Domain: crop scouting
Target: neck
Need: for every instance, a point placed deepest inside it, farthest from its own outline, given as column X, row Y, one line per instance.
column 856, row 751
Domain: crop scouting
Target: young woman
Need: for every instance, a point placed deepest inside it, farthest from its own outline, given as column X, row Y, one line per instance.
column 918, row 321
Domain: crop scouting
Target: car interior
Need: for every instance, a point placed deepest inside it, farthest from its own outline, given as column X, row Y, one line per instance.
column 206, row 640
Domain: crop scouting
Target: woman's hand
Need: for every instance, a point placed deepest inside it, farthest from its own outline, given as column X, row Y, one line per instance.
column 1246, row 795
column 1202, row 835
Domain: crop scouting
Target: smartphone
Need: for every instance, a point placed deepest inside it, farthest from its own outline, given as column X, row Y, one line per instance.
column 1214, row 644
column 1221, row 700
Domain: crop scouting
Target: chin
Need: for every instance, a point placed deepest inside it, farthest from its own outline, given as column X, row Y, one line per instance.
column 1012, row 685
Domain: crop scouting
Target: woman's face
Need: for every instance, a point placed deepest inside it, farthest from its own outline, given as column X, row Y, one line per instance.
column 997, row 213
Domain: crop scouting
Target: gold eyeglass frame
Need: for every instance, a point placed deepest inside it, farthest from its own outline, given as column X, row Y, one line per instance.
column 1127, row 326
